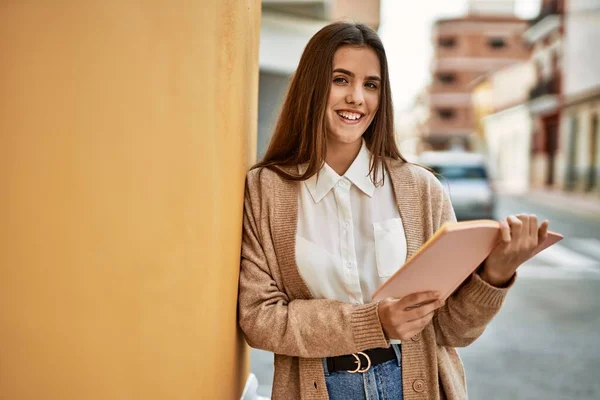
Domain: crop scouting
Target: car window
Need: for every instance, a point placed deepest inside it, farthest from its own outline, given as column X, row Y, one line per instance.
column 453, row 172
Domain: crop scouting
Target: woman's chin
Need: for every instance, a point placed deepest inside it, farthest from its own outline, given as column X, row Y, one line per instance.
column 345, row 138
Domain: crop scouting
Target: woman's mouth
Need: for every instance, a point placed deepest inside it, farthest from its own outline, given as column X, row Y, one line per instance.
column 350, row 117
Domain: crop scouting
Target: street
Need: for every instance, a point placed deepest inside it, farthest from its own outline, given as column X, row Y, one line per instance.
column 544, row 342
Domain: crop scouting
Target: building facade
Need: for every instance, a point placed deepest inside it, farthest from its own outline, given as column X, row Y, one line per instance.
column 545, row 38
column 465, row 49
column 501, row 102
column 578, row 166
column 560, row 127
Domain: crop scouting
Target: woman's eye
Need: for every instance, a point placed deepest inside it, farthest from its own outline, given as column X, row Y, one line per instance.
column 371, row 85
column 339, row 79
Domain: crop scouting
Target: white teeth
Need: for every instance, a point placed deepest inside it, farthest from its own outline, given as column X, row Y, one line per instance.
column 349, row 115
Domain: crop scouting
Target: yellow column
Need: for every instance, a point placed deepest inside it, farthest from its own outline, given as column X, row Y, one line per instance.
column 126, row 129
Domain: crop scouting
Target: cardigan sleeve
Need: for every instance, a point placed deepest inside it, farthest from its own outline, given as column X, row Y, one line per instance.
column 472, row 306
column 270, row 320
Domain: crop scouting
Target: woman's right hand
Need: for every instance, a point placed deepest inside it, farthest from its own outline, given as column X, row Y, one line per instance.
column 404, row 318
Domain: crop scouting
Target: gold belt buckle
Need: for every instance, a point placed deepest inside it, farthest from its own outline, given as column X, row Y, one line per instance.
column 358, row 362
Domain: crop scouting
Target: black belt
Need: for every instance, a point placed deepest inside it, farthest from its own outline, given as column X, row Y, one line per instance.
column 360, row 362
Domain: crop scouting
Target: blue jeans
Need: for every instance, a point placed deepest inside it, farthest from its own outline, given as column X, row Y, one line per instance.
column 381, row 382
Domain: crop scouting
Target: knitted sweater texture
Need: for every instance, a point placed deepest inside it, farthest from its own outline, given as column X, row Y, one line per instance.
column 278, row 313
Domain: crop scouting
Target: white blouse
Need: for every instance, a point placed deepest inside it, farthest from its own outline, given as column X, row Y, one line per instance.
column 350, row 236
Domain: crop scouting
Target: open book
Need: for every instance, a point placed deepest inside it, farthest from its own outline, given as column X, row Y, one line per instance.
column 448, row 258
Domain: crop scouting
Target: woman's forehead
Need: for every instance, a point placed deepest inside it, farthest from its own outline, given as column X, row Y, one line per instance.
column 361, row 61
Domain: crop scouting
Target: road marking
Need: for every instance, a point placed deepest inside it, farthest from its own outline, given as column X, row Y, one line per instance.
column 587, row 246
column 546, row 272
column 562, row 256
column 560, row 262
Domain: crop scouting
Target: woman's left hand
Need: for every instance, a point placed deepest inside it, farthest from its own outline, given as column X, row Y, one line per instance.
column 520, row 237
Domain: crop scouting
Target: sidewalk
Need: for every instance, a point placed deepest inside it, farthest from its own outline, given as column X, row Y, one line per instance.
column 580, row 204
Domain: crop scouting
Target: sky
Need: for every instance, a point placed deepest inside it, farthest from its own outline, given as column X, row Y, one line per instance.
column 405, row 30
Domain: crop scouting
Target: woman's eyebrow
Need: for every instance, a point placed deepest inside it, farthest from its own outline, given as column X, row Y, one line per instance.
column 351, row 74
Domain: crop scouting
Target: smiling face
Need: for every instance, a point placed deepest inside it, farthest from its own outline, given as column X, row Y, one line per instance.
column 354, row 95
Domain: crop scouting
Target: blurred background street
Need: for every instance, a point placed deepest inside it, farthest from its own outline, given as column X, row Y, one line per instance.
column 502, row 98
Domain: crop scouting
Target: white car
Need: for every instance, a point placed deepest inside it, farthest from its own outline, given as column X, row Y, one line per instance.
column 465, row 177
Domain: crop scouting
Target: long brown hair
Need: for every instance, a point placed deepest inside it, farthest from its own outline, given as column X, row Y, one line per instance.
column 300, row 133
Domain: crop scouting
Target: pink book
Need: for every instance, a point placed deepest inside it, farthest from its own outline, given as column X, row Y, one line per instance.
column 448, row 258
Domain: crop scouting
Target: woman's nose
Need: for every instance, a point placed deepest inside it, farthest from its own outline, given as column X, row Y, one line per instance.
column 355, row 96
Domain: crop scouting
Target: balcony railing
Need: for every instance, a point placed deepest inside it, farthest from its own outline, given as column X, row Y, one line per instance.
column 550, row 8
column 547, row 87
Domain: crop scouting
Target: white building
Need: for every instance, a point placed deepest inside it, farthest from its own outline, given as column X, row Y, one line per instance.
column 492, row 7
column 409, row 125
column 545, row 36
column 579, row 163
column 508, row 128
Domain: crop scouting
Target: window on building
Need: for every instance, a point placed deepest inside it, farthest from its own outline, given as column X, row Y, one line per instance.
column 497, row 43
column 539, row 70
column 592, row 178
column 446, row 113
column 447, row 41
column 555, row 62
column 446, row 78
column 573, row 144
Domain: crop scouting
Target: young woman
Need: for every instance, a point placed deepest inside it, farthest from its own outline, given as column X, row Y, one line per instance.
column 331, row 212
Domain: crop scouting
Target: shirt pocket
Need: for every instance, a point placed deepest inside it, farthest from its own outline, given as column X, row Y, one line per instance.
column 390, row 246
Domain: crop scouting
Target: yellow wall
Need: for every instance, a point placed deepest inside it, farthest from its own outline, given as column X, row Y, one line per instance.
column 125, row 132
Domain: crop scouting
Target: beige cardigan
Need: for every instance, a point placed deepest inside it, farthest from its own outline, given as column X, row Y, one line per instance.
column 277, row 312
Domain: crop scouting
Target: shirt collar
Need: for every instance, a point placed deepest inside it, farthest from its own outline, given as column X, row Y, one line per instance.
column 358, row 173
column 320, row 184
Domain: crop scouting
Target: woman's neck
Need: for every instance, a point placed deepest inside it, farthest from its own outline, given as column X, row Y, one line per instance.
column 341, row 155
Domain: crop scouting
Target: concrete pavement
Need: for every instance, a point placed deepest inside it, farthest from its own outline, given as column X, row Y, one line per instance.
column 586, row 205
